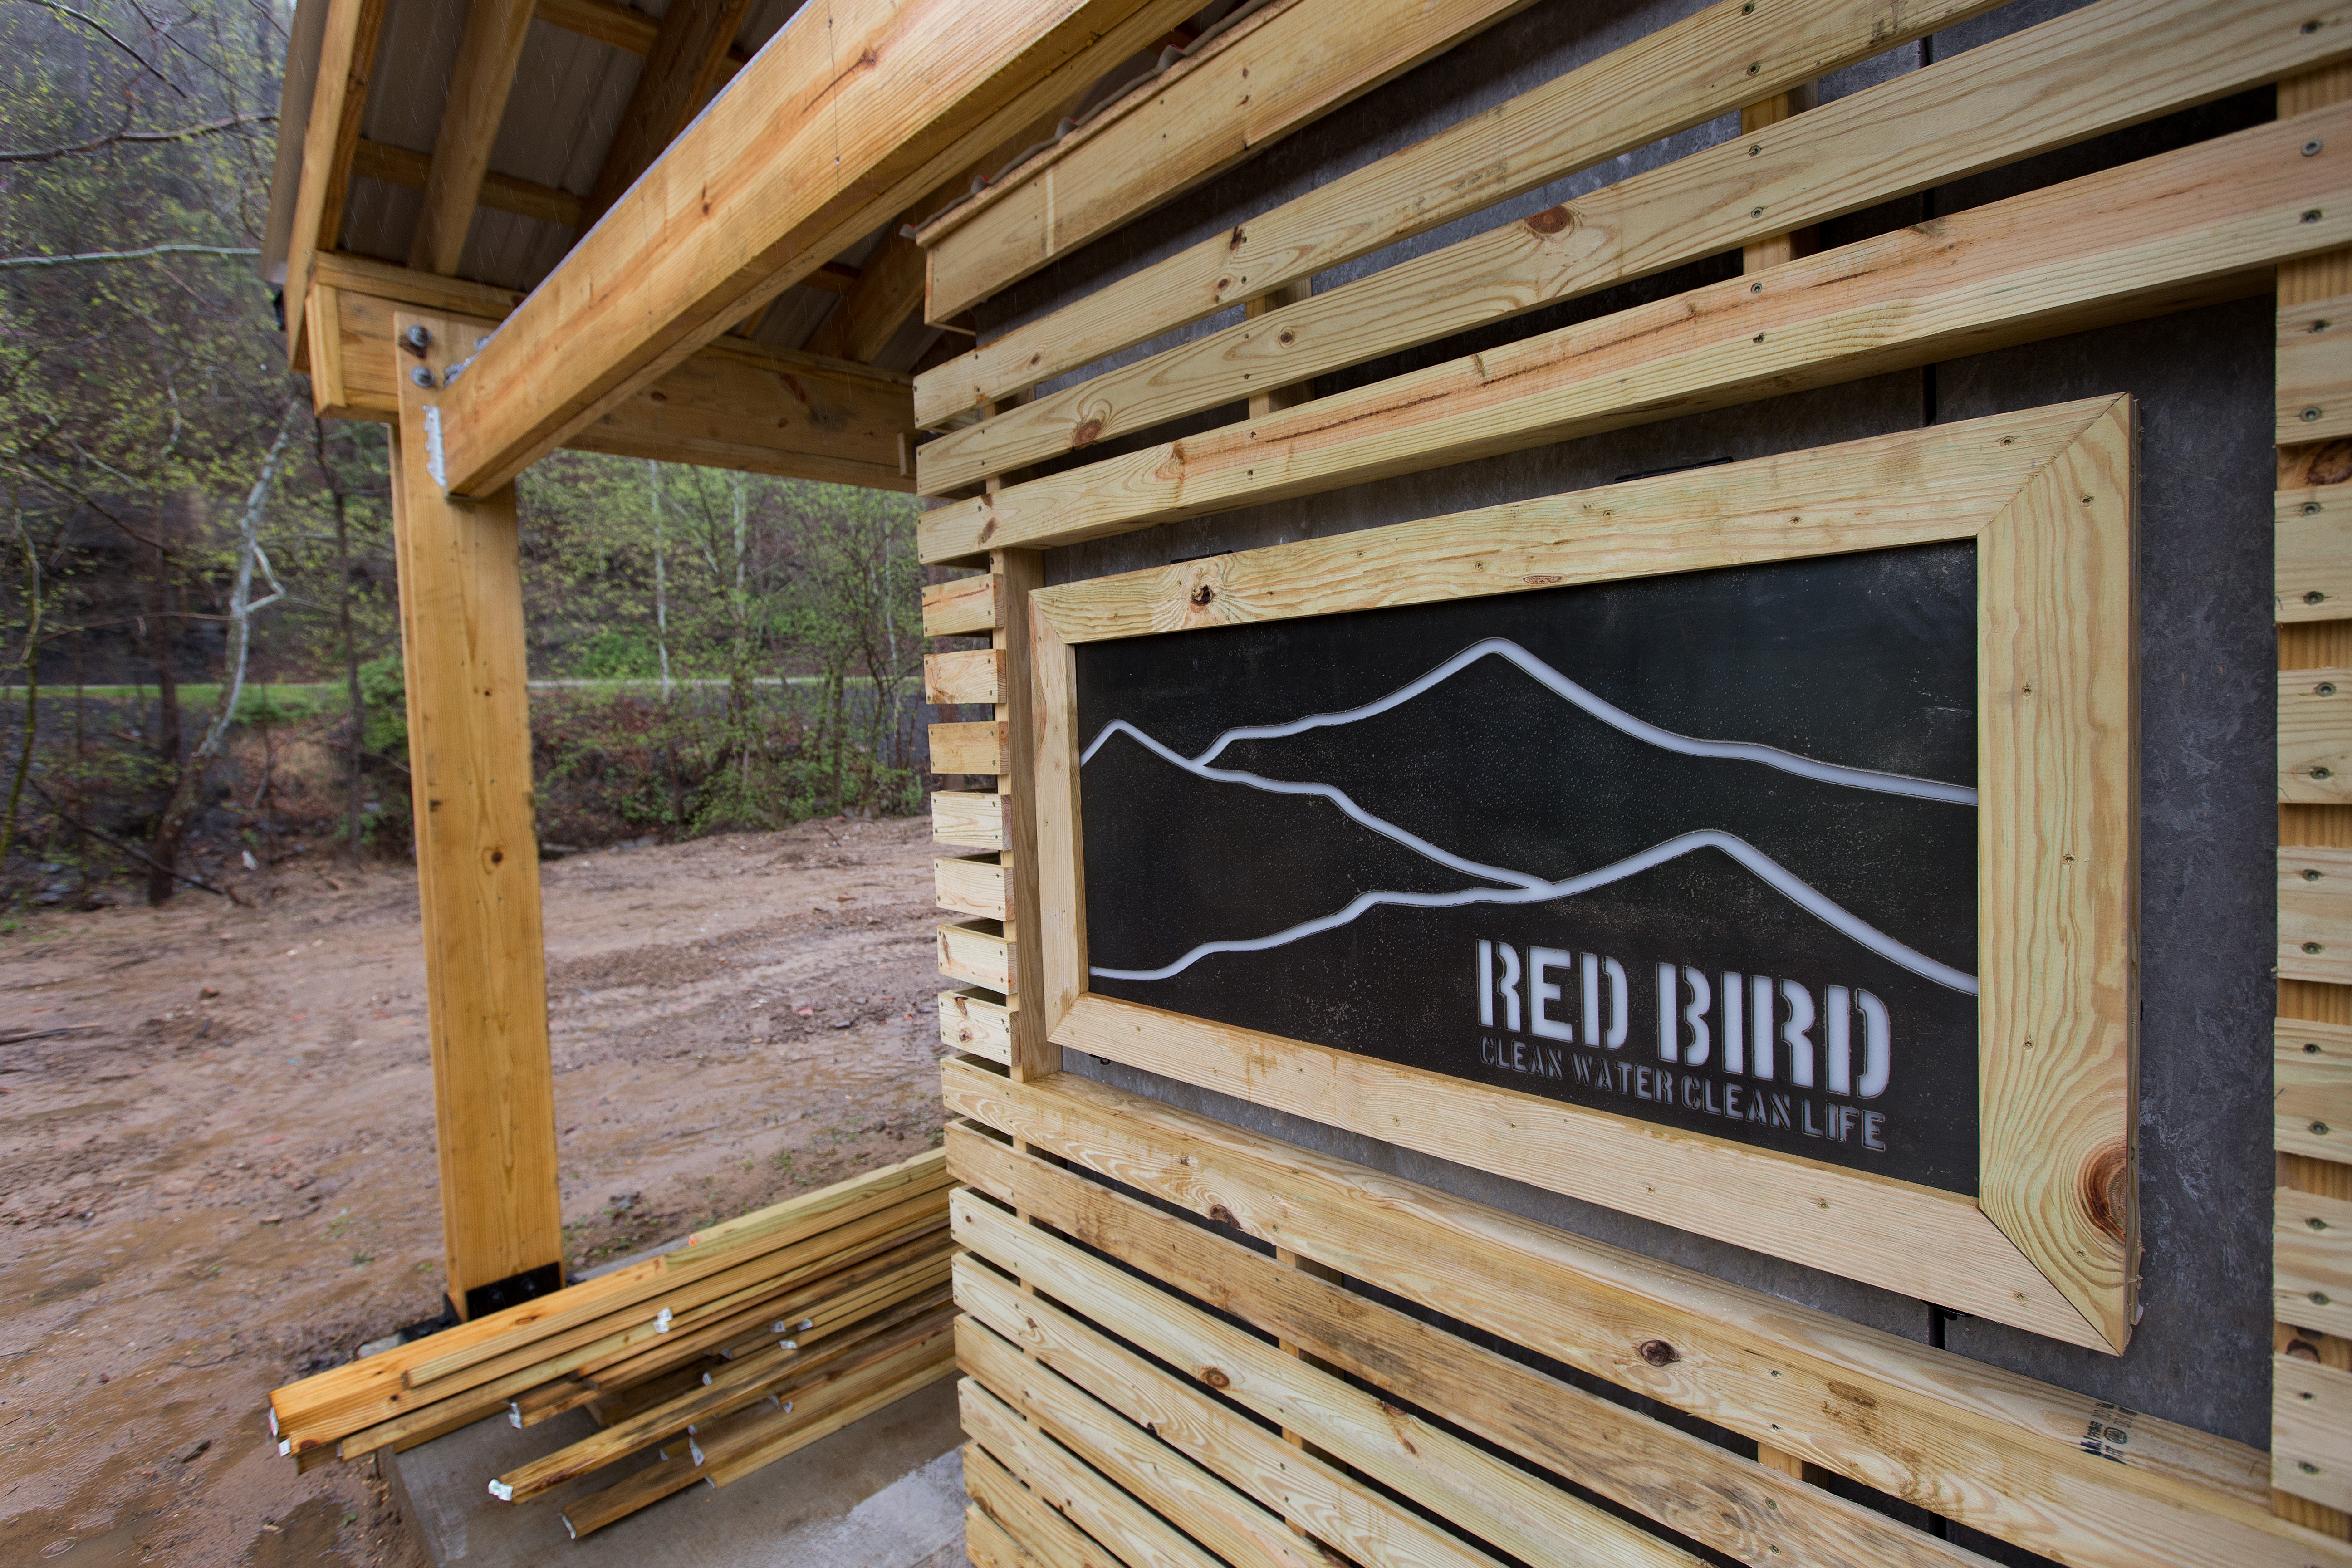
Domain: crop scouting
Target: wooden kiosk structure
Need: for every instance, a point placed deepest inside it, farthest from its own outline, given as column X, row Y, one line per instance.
column 1536, row 316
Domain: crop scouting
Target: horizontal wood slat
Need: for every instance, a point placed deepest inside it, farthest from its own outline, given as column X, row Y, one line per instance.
column 977, row 1022
column 975, row 675
column 2312, row 1079
column 1898, row 1417
column 2314, row 370
column 2314, row 736
column 1084, row 1500
column 1277, row 71
column 1685, row 74
column 2311, row 1262
column 971, row 887
column 2314, row 914
column 2189, row 226
column 2311, row 1431
column 2314, row 560
column 965, row 606
column 2044, row 87
column 967, row 818
column 1041, row 1532
column 971, row 747
column 977, row 955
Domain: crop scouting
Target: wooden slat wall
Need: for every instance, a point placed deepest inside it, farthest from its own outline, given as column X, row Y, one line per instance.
column 1102, row 1401
column 2311, row 1428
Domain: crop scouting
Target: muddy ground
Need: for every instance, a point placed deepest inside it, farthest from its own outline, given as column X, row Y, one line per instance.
column 204, row 1196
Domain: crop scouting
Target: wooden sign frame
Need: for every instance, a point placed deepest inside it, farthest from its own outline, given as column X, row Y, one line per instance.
column 2051, row 1243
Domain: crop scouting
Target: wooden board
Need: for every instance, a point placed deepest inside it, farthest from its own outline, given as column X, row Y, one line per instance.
column 963, row 606
column 2312, row 1073
column 976, row 1022
column 2314, row 914
column 976, row 675
column 971, row 885
column 2034, row 90
column 2311, row 1431
column 781, row 173
column 970, row 748
column 2184, row 228
column 2311, row 1262
column 476, row 855
column 977, row 955
column 1895, row 1414
column 1279, row 69
column 967, row 817
column 2314, row 370
column 2314, row 545
column 2314, row 736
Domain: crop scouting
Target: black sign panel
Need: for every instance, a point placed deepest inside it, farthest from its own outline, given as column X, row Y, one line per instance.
column 1699, row 851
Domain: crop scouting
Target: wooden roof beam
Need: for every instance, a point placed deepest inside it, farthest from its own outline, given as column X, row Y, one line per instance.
column 763, row 189
column 479, row 85
column 346, row 59
column 620, row 27
column 400, row 166
column 680, row 73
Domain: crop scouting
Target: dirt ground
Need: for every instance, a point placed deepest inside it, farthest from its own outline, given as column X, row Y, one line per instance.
column 207, row 1195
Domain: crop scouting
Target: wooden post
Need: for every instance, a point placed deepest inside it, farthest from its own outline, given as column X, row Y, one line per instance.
column 1033, row 1056
column 477, row 853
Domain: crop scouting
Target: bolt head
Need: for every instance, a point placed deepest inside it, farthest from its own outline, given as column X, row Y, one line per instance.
column 2311, row 148
column 421, row 376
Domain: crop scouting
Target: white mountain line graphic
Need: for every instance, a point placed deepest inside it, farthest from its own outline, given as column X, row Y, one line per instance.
column 1525, row 888
column 1599, row 708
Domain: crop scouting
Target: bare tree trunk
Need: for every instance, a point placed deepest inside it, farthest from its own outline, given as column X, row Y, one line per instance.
column 32, row 690
column 356, row 786
column 661, row 579
column 163, row 852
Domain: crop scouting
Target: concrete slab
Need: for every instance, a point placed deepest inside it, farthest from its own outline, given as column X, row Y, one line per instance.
column 887, row 1492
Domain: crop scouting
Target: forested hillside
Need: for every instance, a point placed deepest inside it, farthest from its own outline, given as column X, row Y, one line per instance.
column 198, row 613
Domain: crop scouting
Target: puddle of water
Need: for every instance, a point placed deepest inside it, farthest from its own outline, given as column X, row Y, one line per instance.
column 38, row 1538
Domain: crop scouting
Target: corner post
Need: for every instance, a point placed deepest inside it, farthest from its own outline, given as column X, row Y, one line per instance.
column 477, row 851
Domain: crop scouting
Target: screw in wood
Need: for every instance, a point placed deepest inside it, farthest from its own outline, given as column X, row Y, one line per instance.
column 2313, row 947
column 2319, row 1128
column 2312, row 876
column 2314, row 597
column 2310, row 415
column 2311, row 148
column 2325, row 688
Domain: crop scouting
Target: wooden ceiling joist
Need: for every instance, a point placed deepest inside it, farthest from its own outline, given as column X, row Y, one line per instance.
column 730, row 405
column 621, row 26
column 346, row 59
column 761, row 189
column 479, row 85
column 888, row 293
column 680, row 73
column 401, row 166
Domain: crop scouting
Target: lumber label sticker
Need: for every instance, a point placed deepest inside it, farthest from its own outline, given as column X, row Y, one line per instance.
column 1698, row 849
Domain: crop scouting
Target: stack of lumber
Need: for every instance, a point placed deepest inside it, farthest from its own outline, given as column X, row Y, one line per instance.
column 755, row 1339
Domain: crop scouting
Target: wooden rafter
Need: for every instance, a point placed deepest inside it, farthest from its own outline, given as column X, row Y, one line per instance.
column 764, row 187
column 401, row 166
column 479, row 85
column 346, row 56
column 680, row 73
column 889, row 290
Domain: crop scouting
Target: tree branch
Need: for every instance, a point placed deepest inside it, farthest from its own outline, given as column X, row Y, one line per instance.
column 87, row 20
column 183, row 134
column 9, row 262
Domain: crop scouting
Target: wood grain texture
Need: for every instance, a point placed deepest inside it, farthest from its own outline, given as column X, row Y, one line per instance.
column 967, row 818
column 477, row 857
column 2314, row 736
column 2049, row 497
column 1909, row 487
column 1036, row 1531
column 412, row 171
column 979, row 747
column 487, row 53
column 731, row 405
column 977, row 955
column 1034, row 1054
column 2311, row 1262
column 1062, row 1482
column 2189, row 226
column 2058, row 872
column 2314, row 370
column 2042, row 88
column 2313, row 559
column 971, row 885
column 366, row 48
column 1998, row 1452
column 976, row 675
column 963, row 606
column 976, row 1022
column 346, row 51
column 2311, row 1431
column 779, row 175
column 1276, row 72
column 1683, row 1482
column 680, row 70
column 1329, row 1507
column 1003, row 1389
column 2315, row 915
column 2312, row 1079
column 1680, row 76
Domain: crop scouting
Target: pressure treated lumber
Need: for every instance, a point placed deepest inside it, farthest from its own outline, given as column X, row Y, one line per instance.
column 2185, row 228
column 975, row 675
column 731, row 404
column 346, row 61
column 1686, row 1483
column 2314, row 370
column 1682, row 75
column 487, row 53
column 2044, row 87
column 1276, row 72
column 977, row 955
column 772, row 181
column 680, row 72
column 977, row 1022
column 2314, row 736
column 476, row 855
column 2315, row 915
column 1042, row 1533
column 2311, row 1265
column 967, row 817
column 886, row 298
column 2311, row 1431
column 1060, row 1480
column 963, row 606
column 1489, row 1498
column 2312, row 1084
column 1899, row 1417
column 2313, row 561
column 399, row 167
column 969, row 748
column 973, row 886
